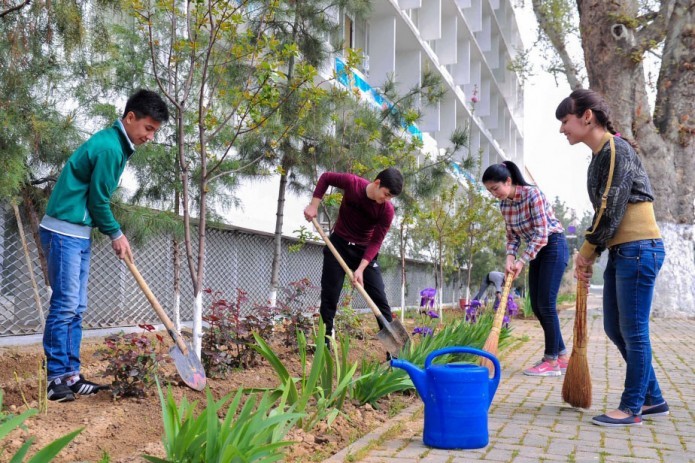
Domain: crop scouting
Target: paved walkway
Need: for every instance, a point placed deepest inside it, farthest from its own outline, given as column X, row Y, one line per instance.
column 529, row 422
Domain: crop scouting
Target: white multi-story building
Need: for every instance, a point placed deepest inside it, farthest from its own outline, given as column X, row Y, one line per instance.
column 470, row 43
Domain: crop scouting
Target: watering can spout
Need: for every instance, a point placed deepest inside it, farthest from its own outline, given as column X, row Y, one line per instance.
column 417, row 376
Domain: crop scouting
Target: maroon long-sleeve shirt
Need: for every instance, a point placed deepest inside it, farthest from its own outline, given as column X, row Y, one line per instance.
column 360, row 220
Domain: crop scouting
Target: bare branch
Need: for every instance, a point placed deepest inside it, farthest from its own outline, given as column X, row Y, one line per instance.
column 14, row 8
column 556, row 35
column 654, row 30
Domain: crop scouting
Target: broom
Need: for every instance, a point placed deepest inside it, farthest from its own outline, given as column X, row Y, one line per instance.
column 576, row 388
column 493, row 338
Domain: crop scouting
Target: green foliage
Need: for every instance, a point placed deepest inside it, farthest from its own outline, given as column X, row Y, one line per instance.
column 526, row 309
column 457, row 333
column 378, row 380
column 347, row 320
column 228, row 341
column 9, row 422
column 33, row 134
column 320, row 392
column 566, row 298
column 133, row 360
column 142, row 224
column 303, row 235
column 250, row 432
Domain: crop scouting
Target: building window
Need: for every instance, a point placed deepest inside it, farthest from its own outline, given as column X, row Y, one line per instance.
column 348, row 32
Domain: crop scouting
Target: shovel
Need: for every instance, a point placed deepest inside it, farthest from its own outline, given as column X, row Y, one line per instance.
column 186, row 361
column 393, row 335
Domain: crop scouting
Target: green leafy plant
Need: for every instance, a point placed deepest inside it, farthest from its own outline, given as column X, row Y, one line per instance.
column 252, row 430
column 566, row 298
column 9, row 422
column 347, row 320
column 227, row 343
column 378, row 380
column 320, row 392
column 132, row 360
column 459, row 333
column 526, row 309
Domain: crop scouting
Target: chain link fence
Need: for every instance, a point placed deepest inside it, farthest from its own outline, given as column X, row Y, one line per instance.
column 234, row 259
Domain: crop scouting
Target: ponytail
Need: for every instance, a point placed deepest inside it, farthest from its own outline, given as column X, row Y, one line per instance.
column 501, row 172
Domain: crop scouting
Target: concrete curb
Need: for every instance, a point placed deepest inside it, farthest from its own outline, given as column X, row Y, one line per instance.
column 363, row 442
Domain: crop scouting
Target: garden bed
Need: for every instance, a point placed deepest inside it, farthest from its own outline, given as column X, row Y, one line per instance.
column 120, row 431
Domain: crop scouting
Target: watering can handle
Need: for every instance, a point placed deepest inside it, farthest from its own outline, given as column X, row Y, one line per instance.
column 494, row 381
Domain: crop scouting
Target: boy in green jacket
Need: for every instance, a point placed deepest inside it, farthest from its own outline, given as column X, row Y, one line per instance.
column 80, row 201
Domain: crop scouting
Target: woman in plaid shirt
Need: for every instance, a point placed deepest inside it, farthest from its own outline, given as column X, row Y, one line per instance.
column 529, row 217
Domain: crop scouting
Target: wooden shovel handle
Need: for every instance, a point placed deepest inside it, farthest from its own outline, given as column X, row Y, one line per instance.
column 168, row 324
column 502, row 308
column 349, row 273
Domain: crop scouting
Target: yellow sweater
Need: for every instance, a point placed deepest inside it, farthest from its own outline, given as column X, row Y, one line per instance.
column 639, row 223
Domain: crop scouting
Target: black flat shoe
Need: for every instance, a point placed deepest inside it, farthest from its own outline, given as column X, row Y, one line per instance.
column 605, row 420
column 656, row 410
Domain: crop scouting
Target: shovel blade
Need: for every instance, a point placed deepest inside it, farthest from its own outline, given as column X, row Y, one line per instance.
column 393, row 336
column 189, row 367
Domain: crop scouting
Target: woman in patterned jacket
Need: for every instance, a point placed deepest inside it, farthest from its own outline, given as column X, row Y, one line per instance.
column 624, row 223
column 528, row 216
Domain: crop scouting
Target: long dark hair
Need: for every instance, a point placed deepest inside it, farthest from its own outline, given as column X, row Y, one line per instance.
column 500, row 173
column 582, row 99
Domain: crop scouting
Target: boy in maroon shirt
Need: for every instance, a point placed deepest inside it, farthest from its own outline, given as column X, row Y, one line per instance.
column 364, row 217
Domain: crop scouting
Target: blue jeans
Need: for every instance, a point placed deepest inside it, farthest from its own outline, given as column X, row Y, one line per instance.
column 544, row 278
column 628, row 288
column 68, row 272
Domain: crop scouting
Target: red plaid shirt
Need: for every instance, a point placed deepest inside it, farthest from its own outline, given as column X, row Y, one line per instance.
column 528, row 216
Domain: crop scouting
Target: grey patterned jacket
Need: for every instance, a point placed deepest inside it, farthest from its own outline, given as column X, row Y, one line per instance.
column 630, row 185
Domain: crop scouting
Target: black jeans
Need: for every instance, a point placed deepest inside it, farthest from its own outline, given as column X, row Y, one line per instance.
column 333, row 276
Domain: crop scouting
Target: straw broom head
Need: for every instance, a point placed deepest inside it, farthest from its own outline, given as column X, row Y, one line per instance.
column 576, row 388
column 493, row 338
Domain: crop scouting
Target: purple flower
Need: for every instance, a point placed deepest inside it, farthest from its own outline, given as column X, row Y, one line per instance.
column 475, row 304
column 433, row 314
column 423, row 330
column 472, row 313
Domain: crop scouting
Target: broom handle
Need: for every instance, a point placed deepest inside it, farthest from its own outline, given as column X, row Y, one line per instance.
column 502, row 308
column 580, row 338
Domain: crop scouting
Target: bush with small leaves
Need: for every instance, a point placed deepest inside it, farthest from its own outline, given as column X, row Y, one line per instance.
column 293, row 311
column 132, row 360
column 227, row 341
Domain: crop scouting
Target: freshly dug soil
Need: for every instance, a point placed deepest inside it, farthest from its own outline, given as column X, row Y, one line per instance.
column 120, row 431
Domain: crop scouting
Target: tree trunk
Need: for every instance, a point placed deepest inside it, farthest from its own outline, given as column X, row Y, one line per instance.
column 401, row 246
column 666, row 148
column 286, row 165
column 30, row 209
column 176, row 263
column 440, row 271
column 277, row 240
column 675, row 121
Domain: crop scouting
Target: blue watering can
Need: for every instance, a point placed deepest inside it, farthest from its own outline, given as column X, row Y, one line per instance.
column 457, row 397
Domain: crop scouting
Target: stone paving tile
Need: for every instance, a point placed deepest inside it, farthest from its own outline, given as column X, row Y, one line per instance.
column 529, row 422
